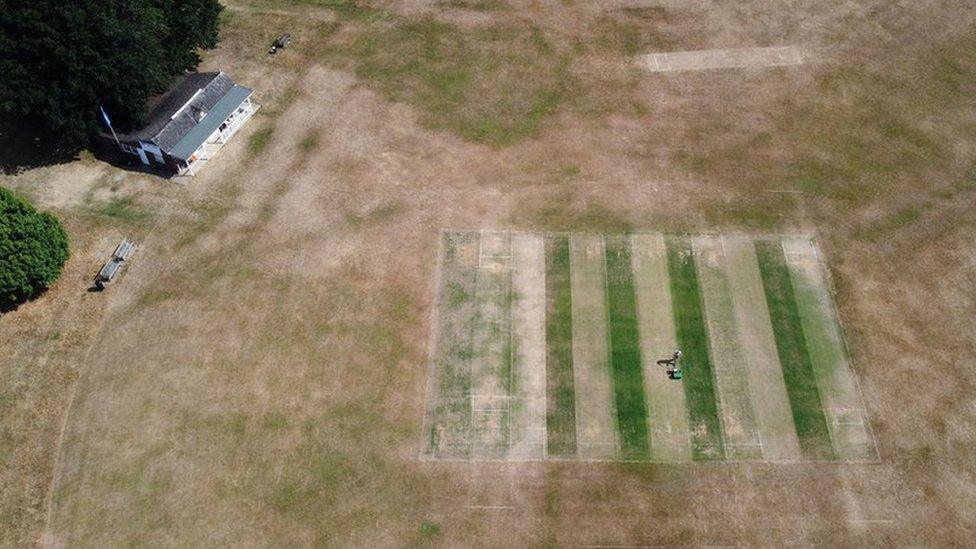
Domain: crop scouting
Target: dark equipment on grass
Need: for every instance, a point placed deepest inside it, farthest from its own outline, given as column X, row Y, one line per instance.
column 671, row 365
column 280, row 43
column 114, row 265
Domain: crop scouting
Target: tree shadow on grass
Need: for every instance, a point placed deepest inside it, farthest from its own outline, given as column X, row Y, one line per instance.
column 103, row 148
column 9, row 306
column 25, row 146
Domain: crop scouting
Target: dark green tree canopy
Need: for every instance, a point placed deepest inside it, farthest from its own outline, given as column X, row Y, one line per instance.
column 33, row 248
column 61, row 59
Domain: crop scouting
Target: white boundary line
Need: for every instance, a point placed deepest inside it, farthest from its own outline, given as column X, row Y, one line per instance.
column 545, row 356
column 714, row 463
column 477, row 281
column 512, row 362
column 646, row 231
column 602, row 546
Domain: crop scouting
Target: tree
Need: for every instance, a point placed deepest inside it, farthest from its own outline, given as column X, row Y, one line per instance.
column 33, row 249
column 62, row 59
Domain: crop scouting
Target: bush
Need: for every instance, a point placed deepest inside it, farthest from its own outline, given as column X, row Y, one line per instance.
column 33, row 249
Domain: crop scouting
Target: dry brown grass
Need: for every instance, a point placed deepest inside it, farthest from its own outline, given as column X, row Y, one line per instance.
column 257, row 377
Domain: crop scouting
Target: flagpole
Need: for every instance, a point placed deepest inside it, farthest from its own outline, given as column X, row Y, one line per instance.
column 117, row 142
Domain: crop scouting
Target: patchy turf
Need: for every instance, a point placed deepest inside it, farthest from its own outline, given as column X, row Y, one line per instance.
column 693, row 340
column 259, row 140
column 625, row 356
column 449, row 415
column 801, row 384
column 577, row 374
column 495, row 84
column 124, row 210
column 491, row 364
column 560, row 392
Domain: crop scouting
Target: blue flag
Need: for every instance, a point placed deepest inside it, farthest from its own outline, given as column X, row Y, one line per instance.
column 109, row 122
column 105, row 116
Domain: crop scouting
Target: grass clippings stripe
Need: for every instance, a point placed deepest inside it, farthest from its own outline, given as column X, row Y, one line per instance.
column 801, row 383
column 689, row 319
column 625, row 355
column 560, row 389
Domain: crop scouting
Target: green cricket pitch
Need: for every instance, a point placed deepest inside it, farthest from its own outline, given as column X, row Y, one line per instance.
column 546, row 347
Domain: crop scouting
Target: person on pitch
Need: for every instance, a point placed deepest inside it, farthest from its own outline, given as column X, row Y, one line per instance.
column 671, row 365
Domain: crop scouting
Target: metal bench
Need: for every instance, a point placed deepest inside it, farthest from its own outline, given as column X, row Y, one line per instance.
column 124, row 250
column 113, row 266
column 280, row 43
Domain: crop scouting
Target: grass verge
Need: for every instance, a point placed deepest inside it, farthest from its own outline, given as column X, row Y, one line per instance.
column 625, row 357
column 702, row 401
column 259, row 140
column 560, row 389
column 868, row 131
column 801, row 384
column 493, row 84
column 124, row 210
